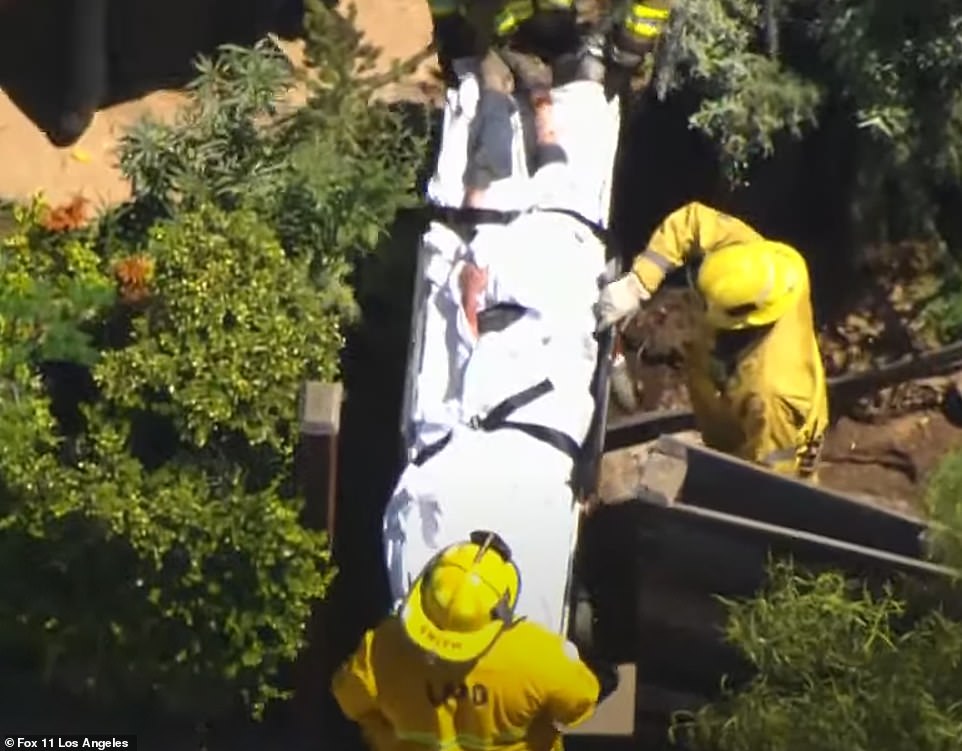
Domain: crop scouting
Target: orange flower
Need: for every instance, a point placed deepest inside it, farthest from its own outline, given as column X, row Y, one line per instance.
column 69, row 216
column 134, row 275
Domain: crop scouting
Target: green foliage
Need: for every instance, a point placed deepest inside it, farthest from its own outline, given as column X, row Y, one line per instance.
column 893, row 70
column 357, row 154
column 944, row 312
column 329, row 176
column 7, row 223
column 943, row 499
column 221, row 147
column 150, row 363
column 900, row 67
column 52, row 289
column 176, row 578
column 836, row 671
column 174, row 581
column 747, row 97
column 235, row 330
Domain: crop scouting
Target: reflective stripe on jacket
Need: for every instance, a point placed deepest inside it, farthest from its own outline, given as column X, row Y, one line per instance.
column 647, row 20
column 516, row 12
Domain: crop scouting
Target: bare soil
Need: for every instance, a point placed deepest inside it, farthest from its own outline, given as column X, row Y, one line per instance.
column 891, row 461
column 882, row 447
column 30, row 163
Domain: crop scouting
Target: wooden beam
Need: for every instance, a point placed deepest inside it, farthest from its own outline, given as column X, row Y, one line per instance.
column 320, row 426
column 316, row 464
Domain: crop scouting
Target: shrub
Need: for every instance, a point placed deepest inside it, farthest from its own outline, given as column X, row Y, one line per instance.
column 150, row 361
column 175, row 578
column 836, row 670
column 890, row 75
column 328, row 176
column 230, row 329
column 943, row 500
column 747, row 97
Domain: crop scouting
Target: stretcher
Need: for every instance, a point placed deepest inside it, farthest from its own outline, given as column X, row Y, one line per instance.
column 437, row 373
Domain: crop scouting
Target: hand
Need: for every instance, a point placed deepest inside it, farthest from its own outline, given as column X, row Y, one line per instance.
column 619, row 299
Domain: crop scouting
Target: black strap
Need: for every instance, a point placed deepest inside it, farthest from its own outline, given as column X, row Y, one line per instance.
column 499, row 317
column 596, row 229
column 503, row 410
column 497, row 418
column 464, row 220
column 555, row 438
column 469, row 215
column 431, row 449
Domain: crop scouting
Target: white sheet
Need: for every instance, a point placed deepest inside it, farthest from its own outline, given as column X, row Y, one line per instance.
column 587, row 126
column 506, row 480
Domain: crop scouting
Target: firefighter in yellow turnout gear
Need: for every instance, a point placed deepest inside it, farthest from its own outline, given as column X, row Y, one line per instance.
column 755, row 374
column 466, row 28
column 455, row 669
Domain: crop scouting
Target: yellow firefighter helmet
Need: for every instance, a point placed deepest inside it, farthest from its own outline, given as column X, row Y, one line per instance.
column 750, row 285
column 463, row 600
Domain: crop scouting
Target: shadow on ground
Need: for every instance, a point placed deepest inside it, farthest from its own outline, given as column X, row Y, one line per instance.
column 62, row 60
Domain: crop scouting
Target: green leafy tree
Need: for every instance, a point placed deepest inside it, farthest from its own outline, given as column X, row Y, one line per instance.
column 764, row 68
column 747, row 95
column 899, row 68
column 883, row 77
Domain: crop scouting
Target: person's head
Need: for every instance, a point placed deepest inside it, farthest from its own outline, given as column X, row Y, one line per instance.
column 750, row 286
column 463, row 599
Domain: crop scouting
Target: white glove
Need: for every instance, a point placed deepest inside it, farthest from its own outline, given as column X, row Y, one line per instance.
column 620, row 299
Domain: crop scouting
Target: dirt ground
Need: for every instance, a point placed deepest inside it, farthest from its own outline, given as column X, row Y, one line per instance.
column 888, row 461
column 888, row 458
column 881, row 446
column 29, row 162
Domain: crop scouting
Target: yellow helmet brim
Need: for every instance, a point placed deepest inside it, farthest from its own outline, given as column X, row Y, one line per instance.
column 769, row 314
column 450, row 646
